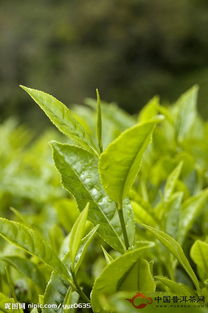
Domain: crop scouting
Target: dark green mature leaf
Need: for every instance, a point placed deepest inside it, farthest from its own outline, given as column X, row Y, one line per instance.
column 108, row 281
column 120, row 162
column 199, row 254
column 61, row 117
column 174, row 247
column 186, row 112
column 55, row 293
column 27, row 268
column 79, row 171
column 32, row 242
column 6, row 305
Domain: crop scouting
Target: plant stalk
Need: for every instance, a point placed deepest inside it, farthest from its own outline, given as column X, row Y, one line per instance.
column 79, row 290
column 123, row 226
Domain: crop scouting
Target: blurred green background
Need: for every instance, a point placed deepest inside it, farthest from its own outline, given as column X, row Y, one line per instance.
column 129, row 49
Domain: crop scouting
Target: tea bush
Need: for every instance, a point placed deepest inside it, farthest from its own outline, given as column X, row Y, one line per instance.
column 128, row 229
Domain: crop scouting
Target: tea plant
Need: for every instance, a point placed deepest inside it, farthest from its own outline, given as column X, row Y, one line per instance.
column 132, row 217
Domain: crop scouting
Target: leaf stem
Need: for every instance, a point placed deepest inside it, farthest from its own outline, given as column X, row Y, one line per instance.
column 123, row 225
column 79, row 290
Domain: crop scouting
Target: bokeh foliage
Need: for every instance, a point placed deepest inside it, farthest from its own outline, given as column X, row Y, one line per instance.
column 129, row 49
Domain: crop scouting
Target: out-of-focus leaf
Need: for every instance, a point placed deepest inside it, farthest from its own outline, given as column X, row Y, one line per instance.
column 173, row 215
column 171, row 181
column 174, row 247
column 115, row 114
column 32, row 242
column 107, row 282
column 6, row 305
column 27, row 268
column 174, row 287
column 199, row 254
column 61, row 117
column 141, row 215
column 186, row 112
column 189, row 212
column 150, row 110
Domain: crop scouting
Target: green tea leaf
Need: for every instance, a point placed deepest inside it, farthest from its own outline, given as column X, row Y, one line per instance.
column 150, row 110
column 99, row 122
column 173, row 214
column 186, row 112
column 32, row 242
column 27, row 268
column 199, row 254
column 77, row 233
column 79, row 171
column 108, row 281
column 171, row 181
column 174, row 287
column 85, row 242
column 108, row 257
column 120, row 162
column 139, row 278
column 174, row 247
column 141, row 215
column 55, row 293
column 61, row 117
column 114, row 113
column 189, row 212
column 6, row 305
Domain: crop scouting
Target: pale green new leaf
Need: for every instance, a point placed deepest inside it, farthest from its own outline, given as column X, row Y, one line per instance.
column 99, row 122
column 139, row 278
column 174, row 287
column 108, row 257
column 77, row 233
column 107, row 282
column 32, row 242
column 120, row 163
column 199, row 254
column 171, row 181
column 173, row 214
column 186, row 113
column 189, row 213
column 150, row 110
column 79, row 171
column 175, row 248
column 141, row 215
column 84, row 244
column 61, row 117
